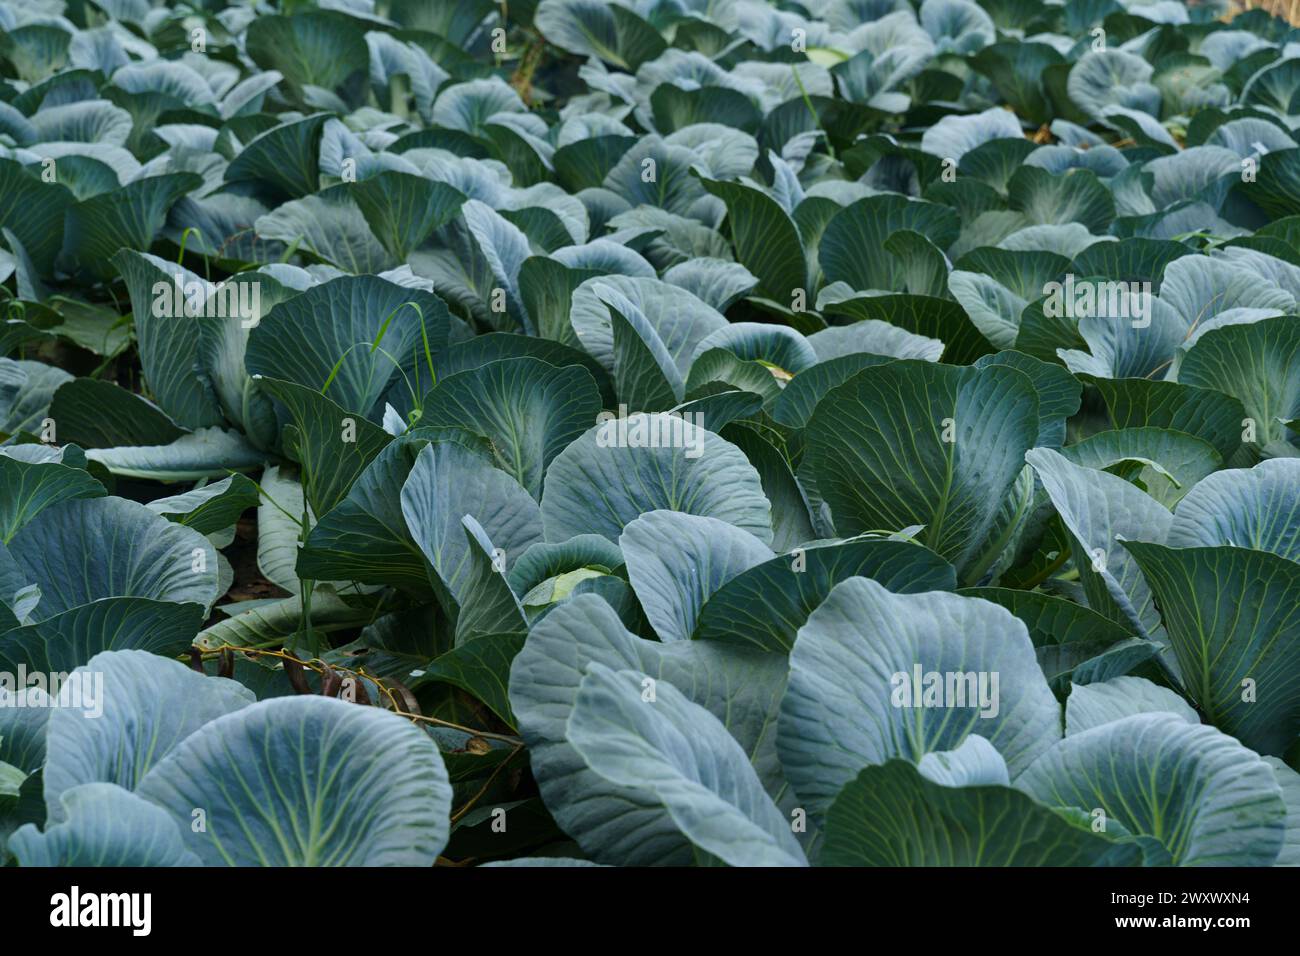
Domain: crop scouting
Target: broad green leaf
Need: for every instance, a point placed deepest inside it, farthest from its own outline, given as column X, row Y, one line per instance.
column 677, row 561
column 625, row 467
column 448, row 482
column 365, row 536
column 945, row 455
column 1101, row 510
column 866, row 224
column 1102, row 702
column 767, row 604
column 1073, row 643
column 347, row 339
column 644, row 373
column 125, row 711
column 88, row 549
column 307, row 781
column 330, row 226
column 332, row 444
column 201, row 454
column 612, row 32
column 678, row 754
column 1232, row 616
column 69, row 639
column 320, row 48
column 1256, row 508
column 1259, row 364
column 403, row 209
column 1059, row 392
column 209, row 509
column 891, row 815
column 34, row 211
column 863, row 658
column 103, row 825
column 680, row 320
column 169, row 337
column 487, row 604
column 276, row 622
column 1171, row 462
column 791, row 520
column 96, row 414
column 923, row 315
column 620, row 825
column 1211, row 415
column 130, row 216
column 529, row 410
column 480, row 667
column 767, row 241
column 29, row 486
column 1206, row 798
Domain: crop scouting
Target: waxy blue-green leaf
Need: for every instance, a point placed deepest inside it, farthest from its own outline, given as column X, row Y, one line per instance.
column 1100, row 510
column 766, row 604
column 1257, row 363
column 96, row 414
column 28, row 485
column 67, row 640
column 1205, row 797
column 1171, row 463
column 332, row 445
column 211, row 508
column 1101, row 702
column 678, row 754
column 34, row 211
column 866, row 224
column 612, row 32
column 169, row 337
column 529, row 410
column 364, row 537
column 448, row 482
column 676, row 561
column 620, row 825
column 1233, row 620
column 625, row 467
column 348, row 338
column 320, row 48
column 945, row 455
column 123, row 713
column 103, row 825
column 131, row 217
column 767, row 241
column 865, row 655
column 85, row 550
column 403, row 209
column 307, row 781
column 1073, row 643
column 1256, row 508
column 891, row 815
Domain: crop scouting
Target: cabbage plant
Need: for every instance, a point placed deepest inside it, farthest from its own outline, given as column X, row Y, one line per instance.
column 649, row 432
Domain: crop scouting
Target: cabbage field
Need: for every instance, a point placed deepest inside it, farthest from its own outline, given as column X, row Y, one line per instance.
column 654, row 432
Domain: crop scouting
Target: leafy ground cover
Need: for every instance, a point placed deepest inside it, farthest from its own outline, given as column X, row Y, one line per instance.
column 840, row 432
